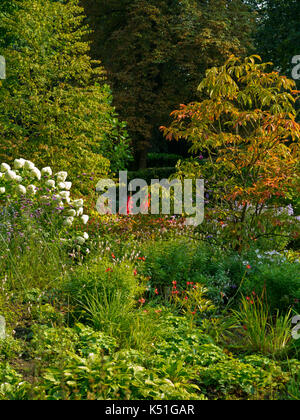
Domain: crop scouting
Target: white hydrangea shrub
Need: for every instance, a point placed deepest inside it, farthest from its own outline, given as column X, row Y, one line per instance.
column 49, row 192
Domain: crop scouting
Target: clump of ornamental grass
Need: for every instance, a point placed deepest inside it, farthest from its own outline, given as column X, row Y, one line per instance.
column 263, row 332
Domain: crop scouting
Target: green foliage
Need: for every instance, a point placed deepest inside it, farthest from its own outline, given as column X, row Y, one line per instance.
column 151, row 173
column 263, row 333
column 95, row 370
column 234, row 379
column 10, row 349
column 107, row 278
column 278, row 278
column 225, row 273
column 185, row 261
column 37, row 264
column 277, row 37
column 169, row 261
column 143, row 307
column 103, row 378
column 55, row 106
column 107, row 296
column 12, row 385
column 81, row 363
column 47, row 314
column 162, row 159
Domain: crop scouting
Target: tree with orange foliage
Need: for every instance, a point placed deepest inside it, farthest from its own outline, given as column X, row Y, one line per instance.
column 246, row 128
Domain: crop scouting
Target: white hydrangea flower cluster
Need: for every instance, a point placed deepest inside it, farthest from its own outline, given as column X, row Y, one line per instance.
column 25, row 179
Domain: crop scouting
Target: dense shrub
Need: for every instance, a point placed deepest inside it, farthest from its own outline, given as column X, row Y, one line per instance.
column 62, row 113
column 279, row 279
column 225, row 274
column 159, row 160
column 151, row 173
column 184, row 261
column 105, row 277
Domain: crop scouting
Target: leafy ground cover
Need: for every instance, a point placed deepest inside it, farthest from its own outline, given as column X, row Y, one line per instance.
column 122, row 307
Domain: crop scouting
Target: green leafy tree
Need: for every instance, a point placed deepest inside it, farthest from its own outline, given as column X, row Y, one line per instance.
column 55, row 107
column 277, row 38
column 247, row 130
column 155, row 51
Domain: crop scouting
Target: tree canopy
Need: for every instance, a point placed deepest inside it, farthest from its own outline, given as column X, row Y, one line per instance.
column 55, row 105
column 277, row 38
column 155, row 52
column 246, row 128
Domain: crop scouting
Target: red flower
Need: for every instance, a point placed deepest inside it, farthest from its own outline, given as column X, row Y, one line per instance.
column 135, row 272
column 248, row 266
column 113, row 256
column 142, row 301
column 156, row 291
column 174, row 282
column 248, row 298
column 108, row 270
